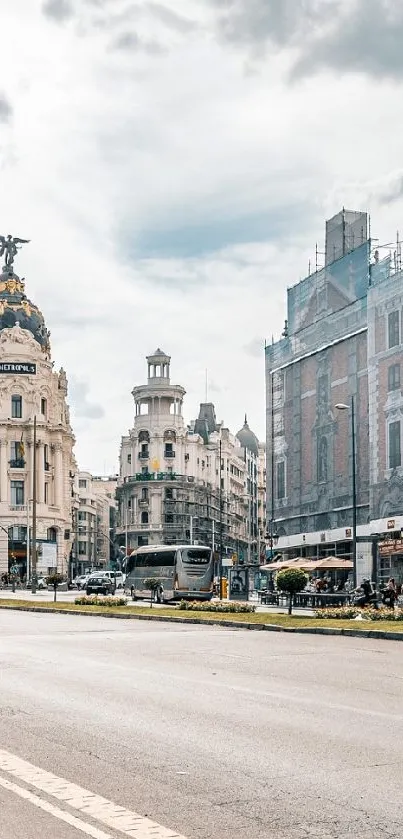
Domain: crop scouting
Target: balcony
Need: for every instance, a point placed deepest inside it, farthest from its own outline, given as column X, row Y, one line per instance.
column 151, row 476
column 18, row 463
column 143, row 502
column 169, row 454
column 18, row 508
column 144, row 455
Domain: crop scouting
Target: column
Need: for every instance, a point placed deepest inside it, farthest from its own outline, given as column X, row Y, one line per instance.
column 4, row 474
column 40, row 465
column 58, row 475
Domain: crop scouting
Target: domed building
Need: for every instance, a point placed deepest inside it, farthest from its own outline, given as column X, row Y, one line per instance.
column 30, row 388
column 254, row 455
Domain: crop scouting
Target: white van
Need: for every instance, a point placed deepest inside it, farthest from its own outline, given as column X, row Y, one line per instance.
column 116, row 576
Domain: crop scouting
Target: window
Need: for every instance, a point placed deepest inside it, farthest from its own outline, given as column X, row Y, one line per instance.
column 46, row 499
column 16, row 407
column 394, row 377
column 17, row 450
column 169, row 452
column 395, row 453
column 144, row 450
column 393, row 329
column 17, row 493
column 169, row 519
column 129, row 458
column 280, row 469
column 82, row 548
column 82, row 483
column 46, row 458
column 169, row 494
column 43, row 406
column 144, row 517
column 82, row 516
column 144, row 494
column 52, row 534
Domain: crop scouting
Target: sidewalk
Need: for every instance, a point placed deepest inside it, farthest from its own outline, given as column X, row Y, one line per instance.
column 69, row 596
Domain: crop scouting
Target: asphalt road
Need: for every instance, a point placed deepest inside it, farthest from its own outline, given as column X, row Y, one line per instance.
column 213, row 733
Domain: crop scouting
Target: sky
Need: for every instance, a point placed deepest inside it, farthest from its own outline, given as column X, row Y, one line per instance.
column 173, row 164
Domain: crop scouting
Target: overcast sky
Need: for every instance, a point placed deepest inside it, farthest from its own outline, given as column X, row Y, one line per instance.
column 173, row 164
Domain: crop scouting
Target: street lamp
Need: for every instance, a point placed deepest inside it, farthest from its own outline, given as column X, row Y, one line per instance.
column 341, row 406
column 271, row 538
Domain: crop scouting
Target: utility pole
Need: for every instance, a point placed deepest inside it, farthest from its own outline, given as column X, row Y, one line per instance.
column 34, row 550
column 220, row 545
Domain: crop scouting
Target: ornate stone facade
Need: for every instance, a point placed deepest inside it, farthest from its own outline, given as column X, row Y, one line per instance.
column 30, row 387
column 172, row 483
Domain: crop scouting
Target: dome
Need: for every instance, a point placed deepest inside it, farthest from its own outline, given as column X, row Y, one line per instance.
column 248, row 439
column 16, row 308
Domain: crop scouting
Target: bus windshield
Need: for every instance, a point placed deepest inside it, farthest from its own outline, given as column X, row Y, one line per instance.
column 196, row 556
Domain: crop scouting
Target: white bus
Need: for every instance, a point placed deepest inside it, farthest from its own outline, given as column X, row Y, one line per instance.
column 185, row 571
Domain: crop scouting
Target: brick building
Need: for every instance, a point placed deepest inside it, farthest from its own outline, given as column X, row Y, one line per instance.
column 342, row 339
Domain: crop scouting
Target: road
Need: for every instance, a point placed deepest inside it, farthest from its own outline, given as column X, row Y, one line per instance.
column 210, row 733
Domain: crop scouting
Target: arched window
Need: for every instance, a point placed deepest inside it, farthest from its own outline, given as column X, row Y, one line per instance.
column 52, row 534
column 169, row 436
column 144, row 437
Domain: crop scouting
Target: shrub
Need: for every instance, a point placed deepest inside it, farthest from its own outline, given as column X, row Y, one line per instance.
column 338, row 613
column 95, row 600
column 216, row 606
column 351, row 612
column 291, row 580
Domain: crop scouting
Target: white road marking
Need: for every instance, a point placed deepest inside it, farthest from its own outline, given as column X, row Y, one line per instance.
column 62, row 815
column 101, row 809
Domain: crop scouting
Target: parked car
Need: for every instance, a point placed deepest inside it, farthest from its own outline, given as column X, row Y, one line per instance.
column 100, row 585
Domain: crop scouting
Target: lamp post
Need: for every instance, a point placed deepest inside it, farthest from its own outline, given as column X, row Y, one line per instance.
column 341, row 406
column 271, row 538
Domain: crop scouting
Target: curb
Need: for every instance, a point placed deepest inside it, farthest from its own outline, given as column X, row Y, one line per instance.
column 268, row 627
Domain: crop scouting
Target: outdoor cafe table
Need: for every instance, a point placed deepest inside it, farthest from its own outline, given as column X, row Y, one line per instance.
column 318, row 599
column 309, row 599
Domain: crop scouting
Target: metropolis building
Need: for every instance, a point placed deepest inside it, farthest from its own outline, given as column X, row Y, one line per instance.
column 30, row 387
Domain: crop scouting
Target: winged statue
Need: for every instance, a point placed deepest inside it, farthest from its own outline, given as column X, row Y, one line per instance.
column 9, row 247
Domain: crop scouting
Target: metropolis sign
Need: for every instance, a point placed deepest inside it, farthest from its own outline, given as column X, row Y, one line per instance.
column 17, row 367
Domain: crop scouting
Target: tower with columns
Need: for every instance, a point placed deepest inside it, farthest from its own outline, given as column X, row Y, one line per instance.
column 29, row 388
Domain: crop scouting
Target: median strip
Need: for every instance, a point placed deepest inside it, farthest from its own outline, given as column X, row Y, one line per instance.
column 254, row 621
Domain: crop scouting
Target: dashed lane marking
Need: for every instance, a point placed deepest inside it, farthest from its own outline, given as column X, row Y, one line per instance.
column 86, row 802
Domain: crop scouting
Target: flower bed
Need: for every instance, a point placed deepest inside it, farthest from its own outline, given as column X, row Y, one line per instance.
column 352, row 612
column 95, row 600
column 216, row 606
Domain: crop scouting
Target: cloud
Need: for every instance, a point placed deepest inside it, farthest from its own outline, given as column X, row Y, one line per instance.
column 366, row 39
column 58, row 10
column 255, row 348
column 360, row 36
column 130, row 42
column 79, row 391
column 256, row 23
column 6, row 110
column 172, row 19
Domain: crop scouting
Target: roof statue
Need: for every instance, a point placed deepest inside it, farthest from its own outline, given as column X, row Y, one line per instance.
column 8, row 246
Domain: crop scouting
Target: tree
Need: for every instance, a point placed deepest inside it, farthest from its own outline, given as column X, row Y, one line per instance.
column 291, row 580
column 54, row 580
column 153, row 584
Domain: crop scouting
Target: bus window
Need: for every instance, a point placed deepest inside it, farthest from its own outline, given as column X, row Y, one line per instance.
column 196, row 556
